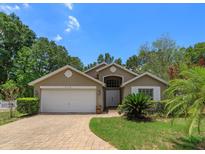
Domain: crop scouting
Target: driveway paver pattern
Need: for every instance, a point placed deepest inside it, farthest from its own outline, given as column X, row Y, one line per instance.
column 52, row 132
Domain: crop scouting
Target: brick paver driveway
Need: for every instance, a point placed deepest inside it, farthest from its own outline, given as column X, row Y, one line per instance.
column 51, row 132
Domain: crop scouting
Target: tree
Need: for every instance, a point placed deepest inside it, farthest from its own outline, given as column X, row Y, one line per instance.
column 48, row 56
column 100, row 59
column 42, row 58
column 90, row 66
column 13, row 36
column 177, row 65
column 162, row 54
column 23, row 70
column 103, row 58
column 132, row 63
column 75, row 62
column 196, row 55
column 108, row 58
column 156, row 58
column 185, row 96
column 9, row 90
column 24, row 58
column 118, row 61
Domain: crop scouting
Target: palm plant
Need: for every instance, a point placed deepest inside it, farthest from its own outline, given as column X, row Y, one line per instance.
column 186, row 96
column 135, row 105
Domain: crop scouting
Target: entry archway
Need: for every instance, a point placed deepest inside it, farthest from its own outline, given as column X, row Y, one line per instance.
column 112, row 90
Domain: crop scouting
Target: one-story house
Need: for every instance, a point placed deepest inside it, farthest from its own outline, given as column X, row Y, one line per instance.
column 70, row 90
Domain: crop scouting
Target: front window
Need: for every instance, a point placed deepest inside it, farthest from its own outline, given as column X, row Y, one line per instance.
column 148, row 92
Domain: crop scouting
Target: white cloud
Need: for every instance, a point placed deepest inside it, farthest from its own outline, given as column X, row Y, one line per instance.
column 58, row 38
column 26, row 5
column 73, row 24
column 9, row 8
column 69, row 6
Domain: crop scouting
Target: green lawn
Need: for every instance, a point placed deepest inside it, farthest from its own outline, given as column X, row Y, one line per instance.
column 124, row 134
column 4, row 117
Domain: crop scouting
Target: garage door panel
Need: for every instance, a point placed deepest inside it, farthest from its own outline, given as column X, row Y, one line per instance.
column 82, row 100
column 68, row 100
column 51, row 102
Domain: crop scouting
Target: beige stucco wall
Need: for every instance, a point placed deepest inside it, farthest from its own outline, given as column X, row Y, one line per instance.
column 93, row 72
column 75, row 80
column 119, row 72
column 144, row 81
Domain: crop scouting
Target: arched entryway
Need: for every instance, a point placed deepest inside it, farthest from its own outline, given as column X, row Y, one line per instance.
column 112, row 90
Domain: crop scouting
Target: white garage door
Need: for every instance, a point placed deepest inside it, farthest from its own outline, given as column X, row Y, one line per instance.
column 68, row 100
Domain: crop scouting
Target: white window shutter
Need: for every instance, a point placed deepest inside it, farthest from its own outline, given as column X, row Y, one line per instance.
column 157, row 96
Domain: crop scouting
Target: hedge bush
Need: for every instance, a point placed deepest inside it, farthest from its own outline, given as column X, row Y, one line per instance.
column 28, row 105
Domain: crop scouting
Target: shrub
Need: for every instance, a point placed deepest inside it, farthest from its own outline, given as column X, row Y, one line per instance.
column 135, row 106
column 28, row 105
column 157, row 109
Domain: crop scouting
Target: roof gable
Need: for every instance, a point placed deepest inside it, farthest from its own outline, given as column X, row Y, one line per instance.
column 61, row 69
column 146, row 73
column 119, row 66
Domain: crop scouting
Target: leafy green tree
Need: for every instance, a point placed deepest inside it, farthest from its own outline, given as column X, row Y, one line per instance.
column 108, row 58
column 75, row 62
column 103, row 58
column 23, row 70
column 133, row 63
column 178, row 64
column 161, row 56
column 48, row 56
column 185, row 96
column 100, row 59
column 118, row 61
column 196, row 55
column 90, row 66
column 42, row 58
column 9, row 90
column 13, row 36
column 156, row 58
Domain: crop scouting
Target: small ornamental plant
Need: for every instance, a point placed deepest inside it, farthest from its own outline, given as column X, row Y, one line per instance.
column 135, row 106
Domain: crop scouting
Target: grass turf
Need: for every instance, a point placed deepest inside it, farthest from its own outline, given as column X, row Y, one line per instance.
column 124, row 134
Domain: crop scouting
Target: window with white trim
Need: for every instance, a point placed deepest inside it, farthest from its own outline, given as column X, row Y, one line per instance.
column 149, row 92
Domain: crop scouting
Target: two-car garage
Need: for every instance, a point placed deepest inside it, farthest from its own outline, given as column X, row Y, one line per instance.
column 68, row 90
column 68, row 99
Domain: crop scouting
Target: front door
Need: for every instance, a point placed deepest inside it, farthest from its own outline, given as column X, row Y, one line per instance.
column 112, row 97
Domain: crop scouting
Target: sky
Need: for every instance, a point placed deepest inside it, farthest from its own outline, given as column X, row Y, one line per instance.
column 87, row 30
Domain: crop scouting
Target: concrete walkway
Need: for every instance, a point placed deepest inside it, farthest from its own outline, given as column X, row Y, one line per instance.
column 52, row 132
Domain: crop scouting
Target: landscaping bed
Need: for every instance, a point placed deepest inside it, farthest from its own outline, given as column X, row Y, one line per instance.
column 159, row 134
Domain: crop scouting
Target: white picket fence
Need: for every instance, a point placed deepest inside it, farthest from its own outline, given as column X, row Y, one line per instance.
column 5, row 104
